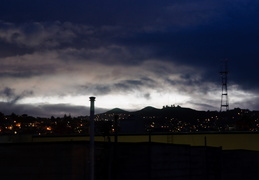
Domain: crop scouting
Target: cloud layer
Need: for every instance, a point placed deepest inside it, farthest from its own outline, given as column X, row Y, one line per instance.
column 128, row 54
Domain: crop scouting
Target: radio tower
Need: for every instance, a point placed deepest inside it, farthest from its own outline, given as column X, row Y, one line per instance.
column 224, row 94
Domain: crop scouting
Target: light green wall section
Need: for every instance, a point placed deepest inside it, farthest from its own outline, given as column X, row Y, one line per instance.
column 249, row 141
column 226, row 141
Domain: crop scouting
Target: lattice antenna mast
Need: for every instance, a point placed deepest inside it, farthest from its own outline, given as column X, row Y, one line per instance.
column 224, row 92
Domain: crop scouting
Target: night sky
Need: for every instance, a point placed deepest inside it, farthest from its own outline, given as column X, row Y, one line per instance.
column 130, row 54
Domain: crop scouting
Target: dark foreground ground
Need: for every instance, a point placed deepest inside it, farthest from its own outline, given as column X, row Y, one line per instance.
column 125, row 161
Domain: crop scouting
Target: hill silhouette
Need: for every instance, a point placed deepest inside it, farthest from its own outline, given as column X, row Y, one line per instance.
column 177, row 112
column 116, row 111
column 148, row 110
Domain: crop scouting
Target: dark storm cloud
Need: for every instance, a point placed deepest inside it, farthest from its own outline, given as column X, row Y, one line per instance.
column 71, row 42
column 96, row 89
column 124, row 86
column 129, row 46
column 42, row 35
column 213, row 30
column 127, row 85
column 12, row 97
column 130, row 85
column 101, row 89
column 23, row 70
column 230, row 32
column 8, row 92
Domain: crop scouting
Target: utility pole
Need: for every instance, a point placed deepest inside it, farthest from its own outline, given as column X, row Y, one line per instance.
column 116, row 117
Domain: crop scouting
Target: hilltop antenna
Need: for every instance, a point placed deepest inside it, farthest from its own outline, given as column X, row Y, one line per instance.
column 224, row 92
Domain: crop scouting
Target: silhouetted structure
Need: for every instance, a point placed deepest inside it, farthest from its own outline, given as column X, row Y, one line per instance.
column 224, row 93
column 92, row 159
